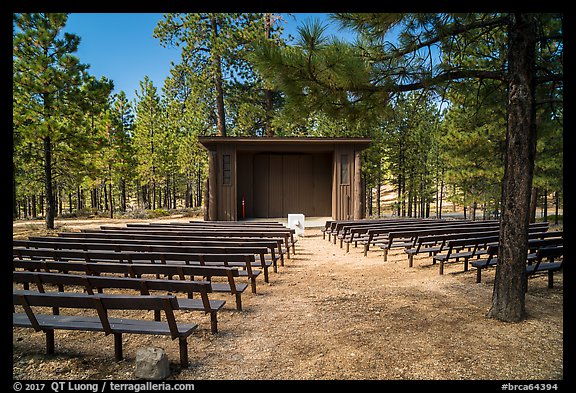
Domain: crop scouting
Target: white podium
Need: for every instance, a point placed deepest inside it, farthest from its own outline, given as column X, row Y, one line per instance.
column 296, row 221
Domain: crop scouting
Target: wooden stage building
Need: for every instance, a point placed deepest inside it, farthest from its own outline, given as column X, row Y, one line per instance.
column 260, row 177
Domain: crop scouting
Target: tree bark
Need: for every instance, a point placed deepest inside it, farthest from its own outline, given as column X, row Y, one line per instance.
column 534, row 203
column 123, row 195
column 508, row 298
column 220, row 112
column 14, row 200
column 110, row 199
column 268, row 131
column 50, row 208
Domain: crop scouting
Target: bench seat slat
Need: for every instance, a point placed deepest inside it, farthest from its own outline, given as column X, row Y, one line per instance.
column 197, row 305
column 118, row 325
column 225, row 288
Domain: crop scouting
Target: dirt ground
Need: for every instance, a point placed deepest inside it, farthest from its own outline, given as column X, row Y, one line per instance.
column 331, row 315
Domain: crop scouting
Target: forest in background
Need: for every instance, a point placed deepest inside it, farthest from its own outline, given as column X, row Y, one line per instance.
column 98, row 153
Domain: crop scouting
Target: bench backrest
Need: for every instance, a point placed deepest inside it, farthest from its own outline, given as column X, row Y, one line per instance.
column 432, row 225
column 549, row 252
column 117, row 246
column 210, row 224
column 133, row 270
column 472, row 241
column 129, row 256
column 92, row 283
column 533, row 244
column 184, row 230
column 271, row 243
column 385, row 227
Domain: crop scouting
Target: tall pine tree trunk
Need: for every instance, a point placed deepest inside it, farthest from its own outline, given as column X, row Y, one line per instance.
column 123, row 195
column 50, row 208
column 508, row 298
column 268, row 131
column 220, row 112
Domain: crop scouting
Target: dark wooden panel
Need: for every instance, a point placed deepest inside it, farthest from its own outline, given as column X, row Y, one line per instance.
column 245, row 184
column 322, row 185
column 227, row 192
column 291, row 184
column 275, row 191
column 261, row 173
column 306, row 185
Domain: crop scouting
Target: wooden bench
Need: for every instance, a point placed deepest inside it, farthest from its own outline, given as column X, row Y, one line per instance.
column 409, row 238
column 359, row 233
column 144, row 246
column 433, row 244
column 143, row 285
column 353, row 232
column 491, row 259
column 243, row 261
column 175, row 233
column 216, row 227
column 550, row 254
column 207, row 227
column 275, row 244
column 101, row 304
column 381, row 236
column 181, row 272
column 465, row 249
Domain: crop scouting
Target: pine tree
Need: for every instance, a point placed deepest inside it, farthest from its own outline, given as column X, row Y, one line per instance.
column 147, row 136
column 122, row 159
column 215, row 67
column 52, row 91
column 342, row 78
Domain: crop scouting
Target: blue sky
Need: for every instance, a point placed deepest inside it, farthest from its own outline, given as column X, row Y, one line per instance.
column 121, row 46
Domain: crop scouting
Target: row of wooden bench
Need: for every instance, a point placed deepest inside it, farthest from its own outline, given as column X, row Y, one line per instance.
column 448, row 241
column 413, row 233
column 121, row 258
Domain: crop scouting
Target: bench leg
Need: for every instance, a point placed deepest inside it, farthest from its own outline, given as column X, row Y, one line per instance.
column 49, row 342
column 410, row 260
column 441, row 267
column 183, row 352
column 550, row 279
column 253, row 284
column 385, row 254
column 478, row 275
column 366, row 249
column 118, row 346
column 238, row 302
column 213, row 322
column 347, row 247
column 465, row 264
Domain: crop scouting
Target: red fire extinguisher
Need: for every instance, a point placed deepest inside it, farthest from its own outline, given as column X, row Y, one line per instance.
column 243, row 208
